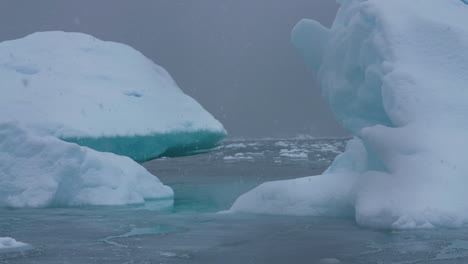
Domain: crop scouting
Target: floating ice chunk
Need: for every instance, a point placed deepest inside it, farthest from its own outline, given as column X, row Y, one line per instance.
column 236, row 146
column 254, row 153
column 294, row 153
column 101, row 94
column 396, row 75
column 238, row 157
column 168, row 254
column 281, row 144
column 10, row 243
column 41, row 171
column 174, row 255
column 300, row 155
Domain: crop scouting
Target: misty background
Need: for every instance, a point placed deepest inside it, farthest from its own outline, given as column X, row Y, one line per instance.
column 234, row 57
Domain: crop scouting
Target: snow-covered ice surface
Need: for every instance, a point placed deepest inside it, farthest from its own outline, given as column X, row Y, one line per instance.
column 100, row 94
column 396, row 75
column 191, row 231
column 43, row 171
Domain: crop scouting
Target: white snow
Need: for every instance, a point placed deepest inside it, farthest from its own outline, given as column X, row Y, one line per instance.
column 10, row 243
column 396, row 75
column 41, row 171
column 75, row 82
column 72, row 85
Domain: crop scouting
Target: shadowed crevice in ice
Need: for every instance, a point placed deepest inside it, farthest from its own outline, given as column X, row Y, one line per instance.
column 26, row 69
column 134, row 94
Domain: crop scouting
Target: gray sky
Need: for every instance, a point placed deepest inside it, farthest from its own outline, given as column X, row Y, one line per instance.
column 235, row 57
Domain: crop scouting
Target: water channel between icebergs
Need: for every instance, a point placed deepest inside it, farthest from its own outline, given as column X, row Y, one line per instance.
column 191, row 231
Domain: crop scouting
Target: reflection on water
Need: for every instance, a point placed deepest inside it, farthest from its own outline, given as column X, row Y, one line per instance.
column 188, row 230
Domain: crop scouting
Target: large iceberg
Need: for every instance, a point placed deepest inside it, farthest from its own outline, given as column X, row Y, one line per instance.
column 100, row 94
column 395, row 73
column 43, row 171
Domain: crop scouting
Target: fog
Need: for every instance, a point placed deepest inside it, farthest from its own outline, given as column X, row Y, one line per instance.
column 235, row 57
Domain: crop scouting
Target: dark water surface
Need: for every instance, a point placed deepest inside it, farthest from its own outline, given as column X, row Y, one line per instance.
column 191, row 230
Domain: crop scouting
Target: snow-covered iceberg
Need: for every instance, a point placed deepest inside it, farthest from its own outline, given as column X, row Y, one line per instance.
column 100, row 94
column 43, row 171
column 395, row 73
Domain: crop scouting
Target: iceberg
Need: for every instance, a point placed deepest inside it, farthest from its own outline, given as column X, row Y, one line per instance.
column 43, row 171
column 396, row 76
column 100, row 94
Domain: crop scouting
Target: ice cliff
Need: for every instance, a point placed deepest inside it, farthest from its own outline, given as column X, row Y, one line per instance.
column 396, row 76
column 100, row 94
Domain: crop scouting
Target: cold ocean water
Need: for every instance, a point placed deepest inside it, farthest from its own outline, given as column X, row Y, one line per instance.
column 191, row 231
